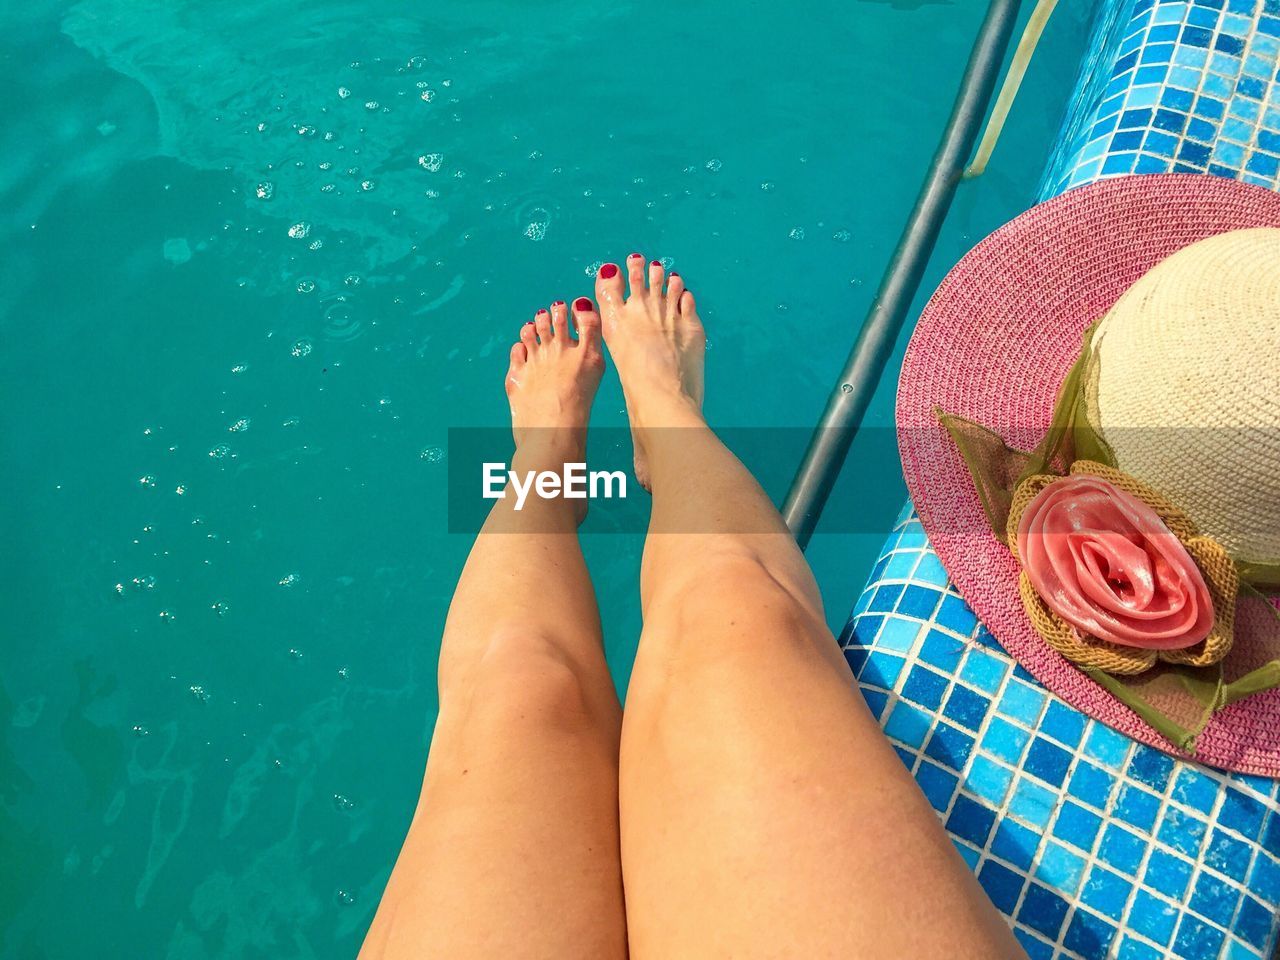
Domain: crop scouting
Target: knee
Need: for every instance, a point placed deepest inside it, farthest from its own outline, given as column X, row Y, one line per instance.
column 520, row 676
column 735, row 583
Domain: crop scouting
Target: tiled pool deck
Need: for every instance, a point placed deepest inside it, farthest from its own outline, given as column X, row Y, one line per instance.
column 1093, row 845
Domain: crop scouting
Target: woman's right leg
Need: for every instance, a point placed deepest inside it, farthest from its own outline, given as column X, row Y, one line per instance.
column 763, row 813
column 513, row 850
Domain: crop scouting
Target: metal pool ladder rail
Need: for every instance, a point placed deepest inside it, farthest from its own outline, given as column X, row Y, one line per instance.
column 834, row 433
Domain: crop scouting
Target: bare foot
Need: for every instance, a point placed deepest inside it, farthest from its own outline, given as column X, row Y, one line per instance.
column 658, row 344
column 551, row 383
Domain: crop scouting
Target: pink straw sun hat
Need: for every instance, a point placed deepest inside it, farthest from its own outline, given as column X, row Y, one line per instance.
column 1128, row 561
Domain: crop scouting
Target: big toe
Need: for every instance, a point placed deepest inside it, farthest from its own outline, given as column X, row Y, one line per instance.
column 587, row 320
column 609, row 288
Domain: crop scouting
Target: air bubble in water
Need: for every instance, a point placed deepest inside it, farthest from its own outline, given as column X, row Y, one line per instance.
column 431, row 161
column 240, row 426
column 767, row 185
column 289, row 579
column 301, row 348
column 240, row 368
column 294, row 652
column 306, row 286
column 344, row 898
column 220, row 451
column 343, row 92
column 714, row 165
column 797, row 233
column 265, row 190
column 343, row 804
column 842, row 236
column 300, row 230
column 140, row 731
column 367, row 185
column 199, row 693
column 219, row 607
column 431, row 454
column 147, row 480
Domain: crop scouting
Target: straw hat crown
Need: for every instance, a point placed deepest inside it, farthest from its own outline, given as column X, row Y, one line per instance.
column 1187, row 391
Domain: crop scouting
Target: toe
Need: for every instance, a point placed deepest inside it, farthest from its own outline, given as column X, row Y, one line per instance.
column 688, row 307
column 519, row 356
column 675, row 289
column 528, row 338
column 587, row 321
column 656, row 276
column 609, row 286
column 560, row 324
column 636, row 275
column 542, row 322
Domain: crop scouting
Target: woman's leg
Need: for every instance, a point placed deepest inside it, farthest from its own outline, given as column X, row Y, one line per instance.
column 763, row 812
column 513, row 850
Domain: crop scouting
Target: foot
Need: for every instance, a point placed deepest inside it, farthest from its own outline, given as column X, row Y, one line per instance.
column 658, row 344
column 551, row 383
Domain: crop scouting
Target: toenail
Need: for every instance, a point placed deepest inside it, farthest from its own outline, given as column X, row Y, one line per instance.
column 582, row 305
column 541, row 312
column 634, row 256
column 674, row 274
column 608, row 271
column 558, row 303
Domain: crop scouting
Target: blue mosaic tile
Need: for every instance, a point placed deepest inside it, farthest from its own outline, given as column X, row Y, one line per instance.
column 1091, row 784
column 1153, row 918
column 939, row 785
column 1167, row 874
column 924, row 687
column 1048, row 761
column 1122, row 849
column 1003, row 886
column 1060, row 868
column 1043, row 910
column 989, row 780
column 1106, row 891
column 1089, row 935
column 971, row 820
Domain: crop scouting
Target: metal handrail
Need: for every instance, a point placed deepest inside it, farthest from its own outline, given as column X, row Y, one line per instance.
column 848, row 403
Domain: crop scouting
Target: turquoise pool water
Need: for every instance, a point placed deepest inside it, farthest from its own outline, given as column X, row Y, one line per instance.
column 260, row 258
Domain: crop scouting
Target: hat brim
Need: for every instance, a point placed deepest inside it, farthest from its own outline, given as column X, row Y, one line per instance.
column 993, row 345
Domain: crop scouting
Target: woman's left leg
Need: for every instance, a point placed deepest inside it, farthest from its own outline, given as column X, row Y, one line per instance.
column 513, row 850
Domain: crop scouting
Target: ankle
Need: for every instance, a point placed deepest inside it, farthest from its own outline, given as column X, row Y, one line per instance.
column 652, row 409
column 549, row 448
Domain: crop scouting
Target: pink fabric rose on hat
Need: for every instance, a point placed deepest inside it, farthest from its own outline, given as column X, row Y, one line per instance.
column 1107, row 564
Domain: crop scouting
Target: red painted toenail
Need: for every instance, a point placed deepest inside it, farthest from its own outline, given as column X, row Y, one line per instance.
column 655, row 263
column 634, row 256
column 608, row 271
column 674, row 274
column 541, row 312
column 558, row 303
column 582, row 305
